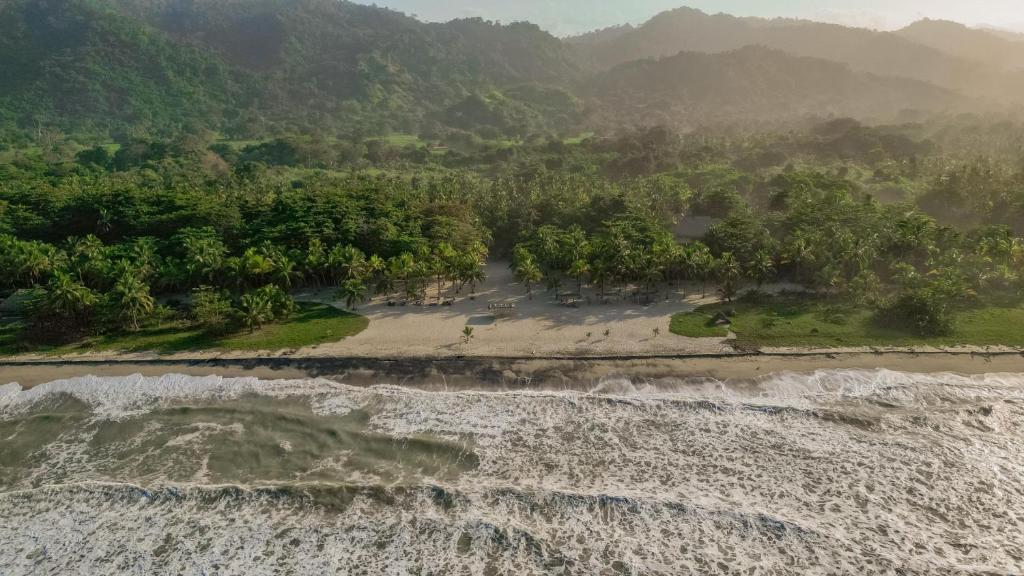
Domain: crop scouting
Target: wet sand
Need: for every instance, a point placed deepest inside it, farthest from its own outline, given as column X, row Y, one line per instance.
column 512, row 373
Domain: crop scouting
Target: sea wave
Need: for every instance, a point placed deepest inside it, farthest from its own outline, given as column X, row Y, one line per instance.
column 116, row 397
column 376, row 529
column 833, row 472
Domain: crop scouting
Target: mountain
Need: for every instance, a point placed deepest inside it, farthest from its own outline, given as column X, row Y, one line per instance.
column 882, row 53
column 88, row 69
column 754, row 84
column 325, row 36
column 982, row 46
column 560, row 17
column 1013, row 33
column 99, row 69
column 243, row 65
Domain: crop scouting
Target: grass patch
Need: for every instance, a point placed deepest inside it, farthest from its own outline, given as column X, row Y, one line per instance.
column 578, row 139
column 402, row 140
column 312, row 324
column 815, row 323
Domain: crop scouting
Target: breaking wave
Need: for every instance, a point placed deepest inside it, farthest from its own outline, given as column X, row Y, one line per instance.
column 838, row 471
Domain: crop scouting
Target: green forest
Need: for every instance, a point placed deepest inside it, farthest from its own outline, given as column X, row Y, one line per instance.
column 915, row 224
column 188, row 168
column 99, row 71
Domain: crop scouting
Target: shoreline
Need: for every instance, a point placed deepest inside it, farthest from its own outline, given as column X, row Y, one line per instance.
column 536, row 329
column 508, row 373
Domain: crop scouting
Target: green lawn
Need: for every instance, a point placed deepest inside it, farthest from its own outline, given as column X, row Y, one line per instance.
column 578, row 139
column 313, row 324
column 791, row 321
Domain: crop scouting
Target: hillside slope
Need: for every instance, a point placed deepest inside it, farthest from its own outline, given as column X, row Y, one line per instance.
column 982, row 46
column 753, row 84
column 243, row 66
column 881, row 53
column 84, row 68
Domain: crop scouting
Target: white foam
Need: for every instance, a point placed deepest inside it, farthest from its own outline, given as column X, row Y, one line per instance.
column 862, row 472
column 121, row 397
column 116, row 397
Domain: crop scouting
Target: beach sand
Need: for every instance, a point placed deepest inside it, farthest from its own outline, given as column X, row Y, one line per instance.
column 538, row 327
column 513, row 373
column 423, row 345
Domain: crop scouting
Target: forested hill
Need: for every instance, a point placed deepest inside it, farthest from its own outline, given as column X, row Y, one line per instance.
column 251, row 69
column 944, row 63
column 754, row 84
column 982, row 46
column 304, row 65
column 79, row 66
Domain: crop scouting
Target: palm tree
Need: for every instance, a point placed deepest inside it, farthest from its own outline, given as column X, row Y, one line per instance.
column 284, row 271
column 256, row 309
column 701, row 265
column 132, row 299
column 255, row 266
column 729, row 274
column 651, row 276
column 529, row 274
column 88, row 259
column 473, row 276
column 441, row 264
column 600, row 273
column 314, row 262
column 67, row 298
column 578, row 270
column 401, row 268
column 352, row 292
column 799, row 252
column 30, row 263
column 346, row 263
column 761, row 268
column 376, row 268
column 234, row 267
column 385, row 284
column 144, row 257
column 204, row 256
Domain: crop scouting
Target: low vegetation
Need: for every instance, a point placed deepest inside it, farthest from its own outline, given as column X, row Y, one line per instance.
column 309, row 325
column 910, row 230
column 802, row 321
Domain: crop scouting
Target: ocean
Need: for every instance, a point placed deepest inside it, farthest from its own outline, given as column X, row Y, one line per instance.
column 830, row 472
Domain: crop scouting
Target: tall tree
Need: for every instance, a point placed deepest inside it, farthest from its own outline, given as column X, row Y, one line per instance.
column 131, row 300
column 352, row 291
column 729, row 273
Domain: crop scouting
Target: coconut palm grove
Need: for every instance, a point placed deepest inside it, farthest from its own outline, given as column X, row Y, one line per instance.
column 207, row 177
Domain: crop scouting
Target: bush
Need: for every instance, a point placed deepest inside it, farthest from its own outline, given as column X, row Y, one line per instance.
column 920, row 312
column 212, row 309
column 264, row 305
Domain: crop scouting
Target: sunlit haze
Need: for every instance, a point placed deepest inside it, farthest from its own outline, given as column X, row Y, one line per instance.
column 575, row 16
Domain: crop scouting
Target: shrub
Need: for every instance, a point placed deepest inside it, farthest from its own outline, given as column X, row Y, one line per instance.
column 920, row 312
column 281, row 304
column 61, row 312
column 212, row 309
column 265, row 305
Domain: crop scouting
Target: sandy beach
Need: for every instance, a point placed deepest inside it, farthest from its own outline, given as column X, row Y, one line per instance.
column 537, row 327
column 540, row 337
column 513, row 373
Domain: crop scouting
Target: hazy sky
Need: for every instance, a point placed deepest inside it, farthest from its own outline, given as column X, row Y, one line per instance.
column 564, row 17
